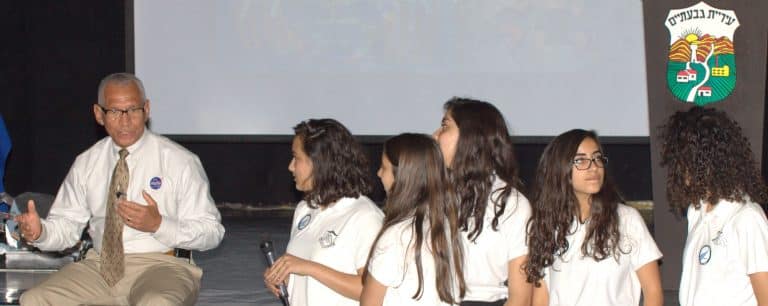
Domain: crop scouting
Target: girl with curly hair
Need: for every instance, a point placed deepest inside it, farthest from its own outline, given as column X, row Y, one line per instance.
column 416, row 259
column 712, row 175
column 586, row 246
column 334, row 226
column 478, row 152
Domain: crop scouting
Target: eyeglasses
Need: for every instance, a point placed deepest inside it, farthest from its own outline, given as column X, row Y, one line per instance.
column 583, row 163
column 115, row 114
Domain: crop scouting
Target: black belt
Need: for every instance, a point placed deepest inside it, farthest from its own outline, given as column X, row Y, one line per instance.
column 180, row 253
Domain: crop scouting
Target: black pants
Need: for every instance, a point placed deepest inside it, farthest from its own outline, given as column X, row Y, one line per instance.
column 475, row 303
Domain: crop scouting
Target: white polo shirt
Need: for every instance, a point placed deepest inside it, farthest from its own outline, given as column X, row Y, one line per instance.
column 486, row 259
column 393, row 264
column 339, row 237
column 724, row 246
column 574, row 279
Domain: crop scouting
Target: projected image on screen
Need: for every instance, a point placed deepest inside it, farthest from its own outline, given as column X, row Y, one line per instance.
column 385, row 67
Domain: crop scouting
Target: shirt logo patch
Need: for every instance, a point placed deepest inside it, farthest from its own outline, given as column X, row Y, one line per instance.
column 328, row 239
column 304, row 221
column 705, row 254
column 155, row 183
column 719, row 239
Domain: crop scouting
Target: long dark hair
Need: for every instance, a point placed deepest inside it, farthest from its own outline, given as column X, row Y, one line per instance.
column 555, row 207
column 708, row 159
column 421, row 190
column 339, row 165
column 484, row 149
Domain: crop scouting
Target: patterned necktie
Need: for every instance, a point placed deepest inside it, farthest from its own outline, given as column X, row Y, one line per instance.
column 112, row 256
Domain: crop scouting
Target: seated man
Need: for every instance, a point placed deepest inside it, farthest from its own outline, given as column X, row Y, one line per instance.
column 143, row 195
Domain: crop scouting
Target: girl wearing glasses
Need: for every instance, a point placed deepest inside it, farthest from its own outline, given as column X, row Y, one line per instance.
column 416, row 259
column 713, row 176
column 586, row 247
column 478, row 152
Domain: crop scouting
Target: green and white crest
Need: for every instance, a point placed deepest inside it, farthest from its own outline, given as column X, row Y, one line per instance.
column 701, row 66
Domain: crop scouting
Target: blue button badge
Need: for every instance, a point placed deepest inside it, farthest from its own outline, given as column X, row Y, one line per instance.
column 155, row 183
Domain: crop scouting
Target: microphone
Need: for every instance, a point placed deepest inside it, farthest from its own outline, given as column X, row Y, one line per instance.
column 269, row 255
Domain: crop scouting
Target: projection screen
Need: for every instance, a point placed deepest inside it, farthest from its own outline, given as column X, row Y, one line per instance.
column 384, row 67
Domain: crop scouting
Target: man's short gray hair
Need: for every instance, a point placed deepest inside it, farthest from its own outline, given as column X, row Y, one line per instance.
column 121, row 78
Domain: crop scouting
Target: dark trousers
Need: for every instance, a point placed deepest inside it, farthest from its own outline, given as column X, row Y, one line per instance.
column 475, row 303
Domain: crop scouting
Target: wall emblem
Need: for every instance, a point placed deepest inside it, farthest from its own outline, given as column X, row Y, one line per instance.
column 701, row 66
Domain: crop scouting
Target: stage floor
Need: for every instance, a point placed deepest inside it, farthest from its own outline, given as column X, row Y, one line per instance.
column 232, row 273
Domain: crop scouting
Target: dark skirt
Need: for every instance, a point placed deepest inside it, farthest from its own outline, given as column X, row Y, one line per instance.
column 475, row 303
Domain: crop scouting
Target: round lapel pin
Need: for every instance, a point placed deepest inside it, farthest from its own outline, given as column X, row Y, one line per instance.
column 155, row 183
column 304, row 221
column 705, row 254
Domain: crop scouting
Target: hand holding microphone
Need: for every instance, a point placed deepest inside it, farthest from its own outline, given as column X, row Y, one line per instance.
column 269, row 255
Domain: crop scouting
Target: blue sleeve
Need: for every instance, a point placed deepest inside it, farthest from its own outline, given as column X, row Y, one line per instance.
column 5, row 148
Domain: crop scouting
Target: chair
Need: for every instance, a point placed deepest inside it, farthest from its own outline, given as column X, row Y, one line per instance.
column 20, row 255
column 24, row 266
